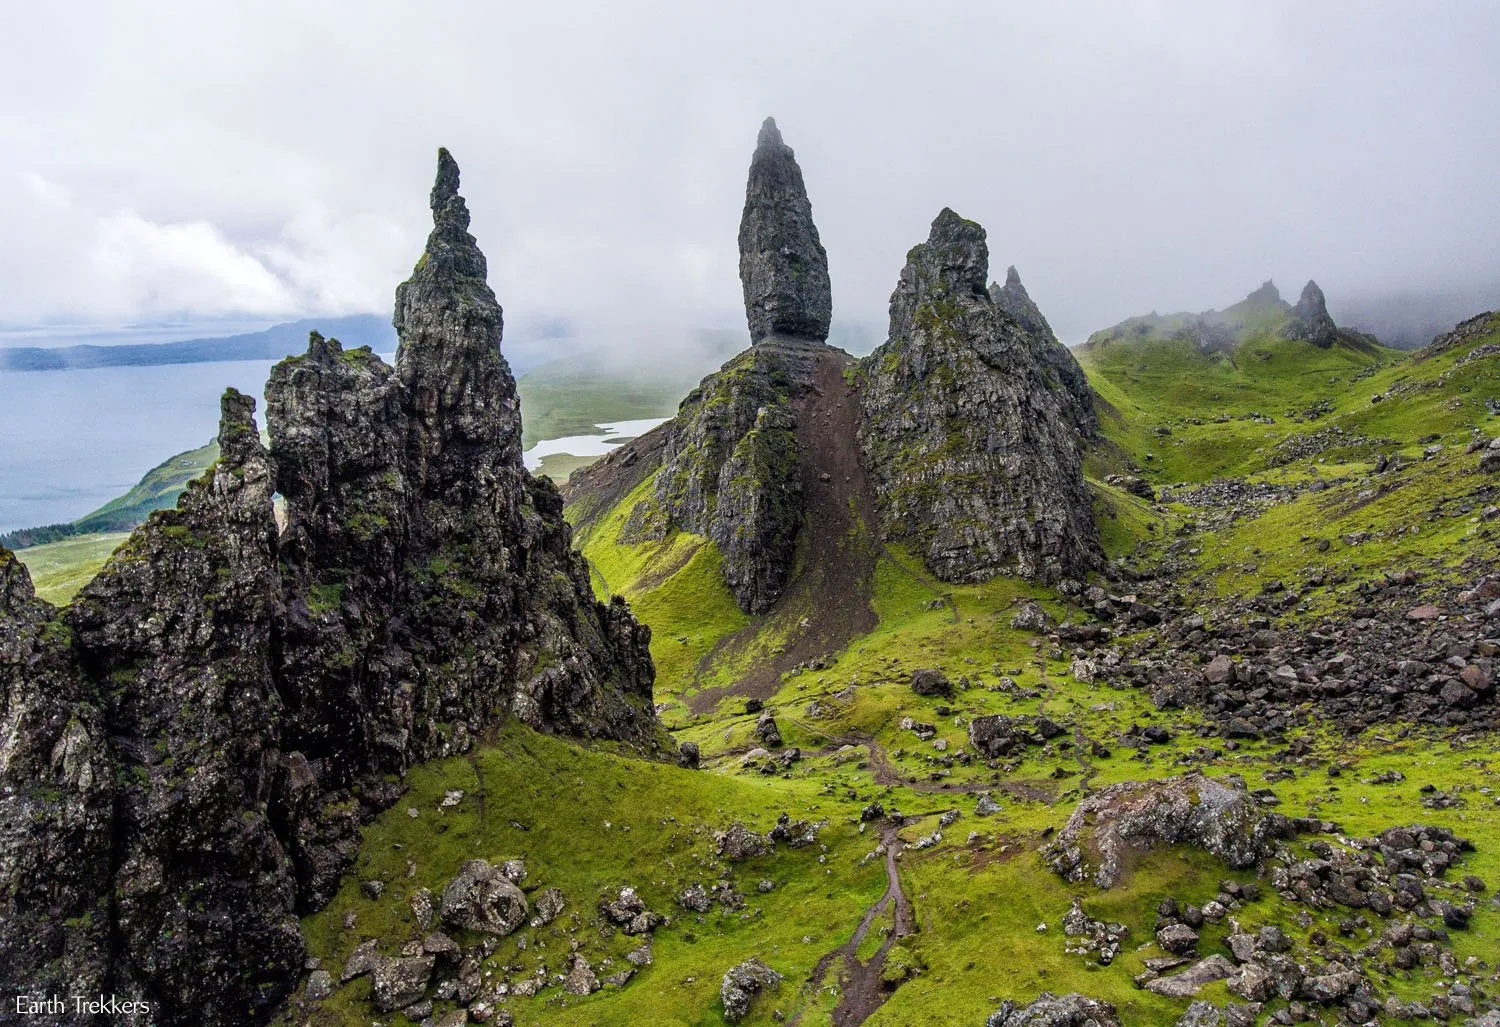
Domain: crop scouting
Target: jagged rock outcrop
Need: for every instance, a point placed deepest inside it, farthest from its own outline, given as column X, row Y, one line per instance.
column 973, row 458
column 1310, row 320
column 783, row 267
column 210, row 723
column 1059, row 367
column 57, row 787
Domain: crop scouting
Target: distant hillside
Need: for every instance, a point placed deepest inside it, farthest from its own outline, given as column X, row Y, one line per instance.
column 569, row 396
column 158, row 489
column 1261, row 314
column 1186, row 397
column 271, row 344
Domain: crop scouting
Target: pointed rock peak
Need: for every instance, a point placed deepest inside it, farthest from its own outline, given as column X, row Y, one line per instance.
column 1267, row 293
column 458, row 388
column 955, row 257
column 239, row 439
column 448, row 292
column 1312, row 302
column 1014, row 300
column 1012, row 294
column 783, row 266
column 15, row 583
column 1310, row 320
column 770, row 137
column 322, row 349
column 445, row 188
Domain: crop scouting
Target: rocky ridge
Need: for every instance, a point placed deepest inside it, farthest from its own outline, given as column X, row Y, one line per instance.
column 221, row 709
column 1064, row 375
column 1221, row 331
column 970, row 450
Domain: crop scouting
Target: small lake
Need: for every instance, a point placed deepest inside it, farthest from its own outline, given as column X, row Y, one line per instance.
column 612, row 434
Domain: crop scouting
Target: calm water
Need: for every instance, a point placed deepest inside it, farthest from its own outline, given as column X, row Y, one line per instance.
column 70, row 441
column 614, row 433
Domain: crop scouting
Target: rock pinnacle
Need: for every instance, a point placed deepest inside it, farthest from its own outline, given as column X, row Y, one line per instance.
column 783, row 266
column 1310, row 318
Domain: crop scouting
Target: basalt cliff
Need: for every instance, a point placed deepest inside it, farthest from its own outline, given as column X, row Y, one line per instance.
column 190, row 750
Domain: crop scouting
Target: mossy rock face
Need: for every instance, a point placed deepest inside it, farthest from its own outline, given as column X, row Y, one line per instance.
column 730, row 469
column 759, row 510
column 973, row 443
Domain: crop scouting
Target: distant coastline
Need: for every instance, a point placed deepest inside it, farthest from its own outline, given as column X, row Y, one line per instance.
column 270, row 344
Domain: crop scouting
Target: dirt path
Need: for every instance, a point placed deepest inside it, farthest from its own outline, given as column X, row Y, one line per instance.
column 861, row 989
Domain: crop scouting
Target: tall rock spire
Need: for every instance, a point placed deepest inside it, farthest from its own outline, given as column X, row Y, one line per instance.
column 462, row 397
column 783, row 267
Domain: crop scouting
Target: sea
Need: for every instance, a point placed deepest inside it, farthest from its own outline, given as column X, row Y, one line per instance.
column 70, row 441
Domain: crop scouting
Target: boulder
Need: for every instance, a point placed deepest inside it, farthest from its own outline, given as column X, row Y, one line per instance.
column 1190, row 981
column 1031, row 617
column 581, row 979
column 741, row 985
column 481, row 898
column 1049, row 1010
column 1220, row 818
column 398, row 983
column 1178, row 939
column 1201, row 1014
column 930, row 681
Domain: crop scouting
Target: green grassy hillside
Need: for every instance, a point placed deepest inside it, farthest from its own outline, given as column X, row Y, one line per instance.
column 1175, row 413
column 59, row 569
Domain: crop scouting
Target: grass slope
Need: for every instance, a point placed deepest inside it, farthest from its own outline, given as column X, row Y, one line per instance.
column 1176, row 414
column 59, row 569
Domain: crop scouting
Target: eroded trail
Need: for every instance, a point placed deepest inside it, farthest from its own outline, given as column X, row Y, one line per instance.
column 827, row 603
column 862, row 990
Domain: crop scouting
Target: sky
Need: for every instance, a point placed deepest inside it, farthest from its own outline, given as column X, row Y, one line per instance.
column 162, row 161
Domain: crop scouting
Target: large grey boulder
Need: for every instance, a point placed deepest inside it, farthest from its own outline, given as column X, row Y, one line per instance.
column 397, row 983
column 742, row 984
column 1220, row 818
column 481, row 898
column 1049, row 1010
